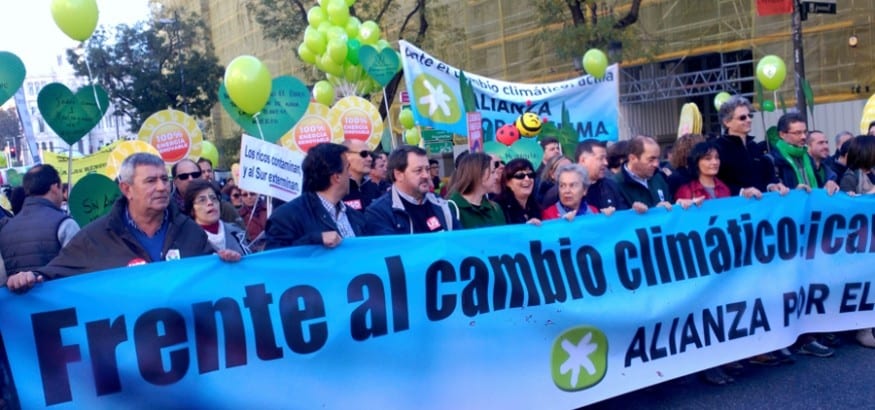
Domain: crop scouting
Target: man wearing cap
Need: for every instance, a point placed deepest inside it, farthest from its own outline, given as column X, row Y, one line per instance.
column 141, row 228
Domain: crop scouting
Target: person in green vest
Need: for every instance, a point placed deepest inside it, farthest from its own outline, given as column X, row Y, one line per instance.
column 474, row 177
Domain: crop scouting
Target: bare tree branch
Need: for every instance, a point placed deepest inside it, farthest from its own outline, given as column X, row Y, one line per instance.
column 383, row 10
column 576, row 8
column 631, row 17
column 419, row 4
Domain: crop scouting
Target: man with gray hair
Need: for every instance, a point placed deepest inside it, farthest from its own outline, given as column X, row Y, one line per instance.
column 139, row 229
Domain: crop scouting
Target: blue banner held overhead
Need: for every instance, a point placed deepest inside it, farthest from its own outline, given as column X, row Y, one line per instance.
column 436, row 99
column 562, row 315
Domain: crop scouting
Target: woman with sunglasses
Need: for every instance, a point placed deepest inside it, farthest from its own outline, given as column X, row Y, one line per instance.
column 472, row 180
column 202, row 202
column 254, row 214
column 516, row 199
column 232, row 193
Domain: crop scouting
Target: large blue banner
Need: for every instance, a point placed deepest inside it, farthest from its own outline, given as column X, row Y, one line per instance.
column 558, row 316
column 591, row 104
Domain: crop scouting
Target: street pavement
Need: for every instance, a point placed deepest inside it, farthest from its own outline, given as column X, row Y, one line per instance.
column 844, row 381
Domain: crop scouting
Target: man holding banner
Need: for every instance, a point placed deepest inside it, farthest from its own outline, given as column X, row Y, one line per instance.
column 140, row 228
column 318, row 216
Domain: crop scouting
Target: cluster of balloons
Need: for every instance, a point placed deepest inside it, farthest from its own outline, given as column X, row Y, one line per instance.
column 332, row 41
column 412, row 136
column 248, row 83
column 595, row 62
column 76, row 18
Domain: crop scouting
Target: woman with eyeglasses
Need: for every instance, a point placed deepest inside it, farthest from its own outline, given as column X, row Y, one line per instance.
column 516, row 199
column 254, row 214
column 202, row 202
column 471, row 181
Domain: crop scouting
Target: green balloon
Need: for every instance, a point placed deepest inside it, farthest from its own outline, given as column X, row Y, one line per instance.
column 337, row 51
column 721, row 98
column 338, row 12
column 595, row 62
column 70, row 115
column 316, row 16
column 380, row 65
column 12, row 73
column 405, row 117
column 369, row 33
column 352, row 27
column 288, row 102
column 323, row 93
column 92, row 197
column 412, row 136
column 771, row 72
column 353, row 46
column 768, row 106
column 330, row 66
column 316, row 41
column 306, row 55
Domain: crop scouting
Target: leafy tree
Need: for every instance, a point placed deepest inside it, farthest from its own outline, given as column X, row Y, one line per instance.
column 589, row 24
column 168, row 62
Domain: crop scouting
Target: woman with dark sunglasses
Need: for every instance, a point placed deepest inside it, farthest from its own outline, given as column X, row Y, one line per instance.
column 516, row 199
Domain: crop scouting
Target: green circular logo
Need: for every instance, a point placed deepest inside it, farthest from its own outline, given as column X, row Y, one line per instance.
column 436, row 100
column 579, row 358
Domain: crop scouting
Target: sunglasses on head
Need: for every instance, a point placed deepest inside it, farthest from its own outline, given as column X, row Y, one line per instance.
column 187, row 175
column 523, row 175
column 497, row 164
column 363, row 154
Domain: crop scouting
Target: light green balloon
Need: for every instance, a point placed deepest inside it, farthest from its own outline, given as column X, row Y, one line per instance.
column 336, row 33
column 337, row 51
column 323, row 93
column 324, row 27
column 369, row 33
column 381, row 44
column 412, row 136
column 330, row 66
column 721, row 98
column 405, row 117
column 771, row 72
column 352, row 27
column 338, row 12
column 316, row 41
column 316, row 16
column 350, row 2
column 595, row 62
column 306, row 55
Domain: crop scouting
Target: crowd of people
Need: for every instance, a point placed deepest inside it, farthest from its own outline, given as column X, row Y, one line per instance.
column 350, row 191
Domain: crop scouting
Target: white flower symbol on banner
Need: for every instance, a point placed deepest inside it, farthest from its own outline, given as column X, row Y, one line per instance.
column 578, row 356
column 435, row 99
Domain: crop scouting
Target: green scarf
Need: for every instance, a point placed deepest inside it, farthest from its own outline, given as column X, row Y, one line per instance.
column 794, row 154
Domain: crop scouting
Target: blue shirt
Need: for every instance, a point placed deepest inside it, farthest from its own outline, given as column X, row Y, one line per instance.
column 153, row 245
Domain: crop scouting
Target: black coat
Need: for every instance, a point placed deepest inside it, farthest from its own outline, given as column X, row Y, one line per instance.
column 743, row 164
column 302, row 221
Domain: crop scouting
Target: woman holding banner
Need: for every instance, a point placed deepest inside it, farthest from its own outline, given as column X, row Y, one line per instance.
column 573, row 181
column 516, row 199
column 202, row 201
column 471, row 181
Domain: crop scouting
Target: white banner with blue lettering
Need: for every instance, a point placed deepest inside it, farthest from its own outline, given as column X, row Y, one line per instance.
column 516, row 317
column 436, row 99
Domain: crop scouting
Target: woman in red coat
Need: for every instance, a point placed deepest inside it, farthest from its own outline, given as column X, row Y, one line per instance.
column 703, row 163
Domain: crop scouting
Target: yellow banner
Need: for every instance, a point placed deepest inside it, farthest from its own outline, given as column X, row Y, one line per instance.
column 94, row 163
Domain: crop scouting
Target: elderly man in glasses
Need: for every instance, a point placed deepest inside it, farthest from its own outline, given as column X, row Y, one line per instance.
column 185, row 171
column 141, row 228
column 744, row 167
column 359, row 157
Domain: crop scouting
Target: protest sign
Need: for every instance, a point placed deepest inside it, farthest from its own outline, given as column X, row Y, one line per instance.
column 270, row 169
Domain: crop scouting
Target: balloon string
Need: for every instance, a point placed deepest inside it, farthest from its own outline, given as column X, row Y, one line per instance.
column 258, row 124
column 93, row 85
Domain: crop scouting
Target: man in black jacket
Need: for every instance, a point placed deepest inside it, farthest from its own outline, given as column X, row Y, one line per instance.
column 142, row 227
column 318, row 216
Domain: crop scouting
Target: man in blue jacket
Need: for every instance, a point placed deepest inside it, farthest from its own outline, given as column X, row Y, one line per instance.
column 318, row 216
column 409, row 207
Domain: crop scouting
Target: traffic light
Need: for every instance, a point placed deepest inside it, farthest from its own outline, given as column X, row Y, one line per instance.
column 12, row 152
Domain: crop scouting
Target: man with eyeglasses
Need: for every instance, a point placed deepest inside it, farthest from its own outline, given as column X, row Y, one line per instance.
column 744, row 167
column 793, row 165
column 318, row 216
column 410, row 207
column 140, row 228
column 359, row 157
